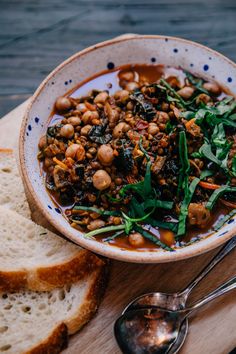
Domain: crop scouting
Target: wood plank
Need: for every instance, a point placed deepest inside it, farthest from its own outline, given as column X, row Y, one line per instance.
column 212, row 329
column 36, row 36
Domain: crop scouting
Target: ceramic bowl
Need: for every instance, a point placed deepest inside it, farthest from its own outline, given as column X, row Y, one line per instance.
column 171, row 51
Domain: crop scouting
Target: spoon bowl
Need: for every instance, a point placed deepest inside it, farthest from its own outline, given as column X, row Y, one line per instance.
column 155, row 330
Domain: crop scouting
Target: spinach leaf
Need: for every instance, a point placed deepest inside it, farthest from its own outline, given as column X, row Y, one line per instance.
column 152, row 238
column 177, row 97
column 196, row 82
column 185, row 165
column 162, row 224
column 98, row 211
column 217, row 193
column 184, row 206
column 149, row 203
column 124, row 161
column 105, row 229
column 222, row 221
column 115, row 235
column 234, row 166
column 142, row 106
column 97, row 134
column 142, row 188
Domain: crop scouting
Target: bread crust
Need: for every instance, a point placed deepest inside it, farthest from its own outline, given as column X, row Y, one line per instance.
column 54, row 344
column 92, row 301
column 49, row 278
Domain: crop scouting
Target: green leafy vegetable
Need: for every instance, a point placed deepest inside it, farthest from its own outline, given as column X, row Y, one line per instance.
column 104, row 230
column 222, row 221
column 185, row 165
column 98, row 211
column 152, row 238
column 142, row 106
column 184, row 206
column 115, row 235
column 217, row 193
column 234, row 166
column 178, row 99
column 98, row 135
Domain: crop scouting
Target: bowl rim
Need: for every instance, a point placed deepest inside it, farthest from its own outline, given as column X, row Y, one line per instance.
column 97, row 247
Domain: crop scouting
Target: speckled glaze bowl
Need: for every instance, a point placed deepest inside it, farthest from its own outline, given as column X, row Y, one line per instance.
column 171, row 51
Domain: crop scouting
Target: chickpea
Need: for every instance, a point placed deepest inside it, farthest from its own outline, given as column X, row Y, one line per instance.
column 131, row 86
column 126, row 75
column 63, row 104
column 122, row 96
column 67, row 131
column 96, row 224
column 186, row 92
column 116, row 220
column 96, row 122
column 101, row 180
column 203, row 98
column 153, row 129
column 101, row 97
column 105, row 155
column 81, row 107
column 88, row 116
column 76, row 152
column 136, row 239
column 42, row 142
column 119, row 129
column 212, row 87
column 96, row 165
column 85, row 130
column 74, row 121
column 163, row 117
column 130, row 105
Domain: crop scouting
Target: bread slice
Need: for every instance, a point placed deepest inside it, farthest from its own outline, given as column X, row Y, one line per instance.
column 34, row 258
column 39, row 322
column 12, row 193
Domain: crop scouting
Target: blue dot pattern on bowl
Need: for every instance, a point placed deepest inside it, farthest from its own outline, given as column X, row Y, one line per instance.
column 175, row 50
column 230, row 221
column 223, row 233
column 49, row 207
column 29, row 127
column 153, row 60
column 206, row 67
column 36, row 119
column 58, row 210
column 229, row 79
column 110, row 65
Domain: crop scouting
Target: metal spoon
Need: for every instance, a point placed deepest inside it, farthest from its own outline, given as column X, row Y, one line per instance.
column 178, row 300
column 154, row 330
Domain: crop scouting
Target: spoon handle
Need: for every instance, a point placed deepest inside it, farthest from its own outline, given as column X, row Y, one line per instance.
column 218, row 257
column 222, row 289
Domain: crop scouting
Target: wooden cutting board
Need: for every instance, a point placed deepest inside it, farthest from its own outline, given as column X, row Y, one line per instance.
column 212, row 329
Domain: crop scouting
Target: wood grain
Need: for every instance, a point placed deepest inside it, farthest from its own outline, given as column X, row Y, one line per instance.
column 212, row 329
column 36, row 36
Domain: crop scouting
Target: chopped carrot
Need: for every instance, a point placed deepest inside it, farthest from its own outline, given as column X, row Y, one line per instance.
column 208, row 185
column 189, row 123
column 60, row 163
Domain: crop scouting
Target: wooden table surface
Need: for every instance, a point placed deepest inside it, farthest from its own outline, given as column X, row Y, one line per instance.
column 36, row 36
column 212, row 329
